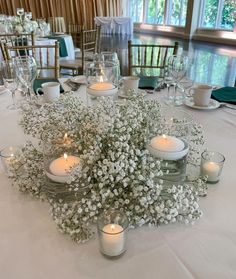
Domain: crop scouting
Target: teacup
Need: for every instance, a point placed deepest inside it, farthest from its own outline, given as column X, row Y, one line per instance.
column 51, row 91
column 130, row 83
column 201, row 95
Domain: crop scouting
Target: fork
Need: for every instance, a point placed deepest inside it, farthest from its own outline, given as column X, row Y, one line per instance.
column 230, row 106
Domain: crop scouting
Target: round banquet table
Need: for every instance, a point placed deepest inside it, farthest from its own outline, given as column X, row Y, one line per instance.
column 32, row 247
column 45, row 41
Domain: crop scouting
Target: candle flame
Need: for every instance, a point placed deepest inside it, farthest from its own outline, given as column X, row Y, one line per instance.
column 65, row 136
column 112, row 227
column 100, row 79
column 65, row 156
column 164, row 136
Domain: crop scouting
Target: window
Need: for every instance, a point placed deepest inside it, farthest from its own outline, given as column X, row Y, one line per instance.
column 136, row 10
column 168, row 12
column 178, row 12
column 154, row 12
column 218, row 14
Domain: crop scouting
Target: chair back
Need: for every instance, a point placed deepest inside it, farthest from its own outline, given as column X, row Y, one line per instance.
column 90, row 43
column 149, row 60
column 15, row 39
column 75, row 30
column 46, row 56
column 57, row 24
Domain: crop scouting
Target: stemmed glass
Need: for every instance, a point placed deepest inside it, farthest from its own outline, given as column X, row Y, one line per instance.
column 28, row 15
column 26, row 71
column 177, row 67
column 20, row 11
column 9, row 80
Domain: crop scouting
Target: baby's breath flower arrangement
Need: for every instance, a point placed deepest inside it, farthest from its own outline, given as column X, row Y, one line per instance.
column 117, row 171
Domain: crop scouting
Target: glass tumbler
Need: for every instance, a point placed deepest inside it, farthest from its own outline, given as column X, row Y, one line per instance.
column 7, row 157
column 211, row 165
column 112, row 231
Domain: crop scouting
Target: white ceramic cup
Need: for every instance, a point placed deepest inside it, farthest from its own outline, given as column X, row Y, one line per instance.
column 51, row 91
column 201, row 95
column 130, row 83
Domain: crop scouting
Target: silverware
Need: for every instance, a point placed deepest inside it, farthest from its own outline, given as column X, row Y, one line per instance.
column 230, row 106
column 73, row 85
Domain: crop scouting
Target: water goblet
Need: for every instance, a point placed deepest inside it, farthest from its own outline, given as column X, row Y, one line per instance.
column 28, row 15
column 177, row 67
column 20, row 11
column 26, row 71
column 9, row 80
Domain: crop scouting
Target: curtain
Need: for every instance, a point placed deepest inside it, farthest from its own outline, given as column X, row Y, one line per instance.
column 74, row 11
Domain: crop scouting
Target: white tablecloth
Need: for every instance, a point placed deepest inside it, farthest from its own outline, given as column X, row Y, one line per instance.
column 44, row 41
column 32, row 247
column 115, row 25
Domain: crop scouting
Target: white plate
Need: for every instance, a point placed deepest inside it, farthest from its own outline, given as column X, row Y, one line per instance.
column 3, row 89
column 123, row 94
column 212, row 105
column 79, row 79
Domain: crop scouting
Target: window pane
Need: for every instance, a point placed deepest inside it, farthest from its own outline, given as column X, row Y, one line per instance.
column 136, row 10
column 155, row 11
column 178, row 10
column 210, row 13
column 227, row 20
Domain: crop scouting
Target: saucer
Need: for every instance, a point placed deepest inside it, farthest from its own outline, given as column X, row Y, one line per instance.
column 213, row 104
column 124, row 95
column 79, row 79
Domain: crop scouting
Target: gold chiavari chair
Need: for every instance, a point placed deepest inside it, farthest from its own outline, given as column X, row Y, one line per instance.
column 89, row 46
column 46, row 56
column 149, row 60
column 57, row 24
column 75, row 30
column 16, row 39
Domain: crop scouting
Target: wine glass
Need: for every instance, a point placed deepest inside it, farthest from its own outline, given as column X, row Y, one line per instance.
column 9, row 80
column 26, row 71
column 20, row 11
column 28, row 15
column 177, row 67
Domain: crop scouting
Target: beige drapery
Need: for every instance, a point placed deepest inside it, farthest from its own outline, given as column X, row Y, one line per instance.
column 74, row 11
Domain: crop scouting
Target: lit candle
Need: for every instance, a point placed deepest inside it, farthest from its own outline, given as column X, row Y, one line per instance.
column 212, row 170
column 99, row 89
column 113, row 240
column 101, row 86
column 62, row 165
column 167, row 143
column 167, row 147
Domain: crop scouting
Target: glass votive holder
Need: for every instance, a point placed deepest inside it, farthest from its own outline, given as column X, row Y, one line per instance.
column 112, row 231
column 102, row 81
column 7, row 157
column 211, row 165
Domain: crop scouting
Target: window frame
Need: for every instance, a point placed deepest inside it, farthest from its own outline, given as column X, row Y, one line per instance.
column 218, row 17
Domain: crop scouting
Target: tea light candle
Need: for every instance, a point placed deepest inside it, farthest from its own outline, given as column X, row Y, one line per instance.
column 61, row 166
column 113, row 240
column 167, row 143
column 99, row 89
column 102, row 86
column 167, row 147
column 211, row 169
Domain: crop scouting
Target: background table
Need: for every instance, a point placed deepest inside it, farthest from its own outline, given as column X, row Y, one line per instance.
column 32, row 247
column 115, row 25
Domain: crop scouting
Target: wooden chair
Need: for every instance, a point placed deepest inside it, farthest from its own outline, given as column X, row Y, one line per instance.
column 149, row 60
column 16, row 39
column 90, row 45
column 46, row 56
column 75, row 30
column 57, row 24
